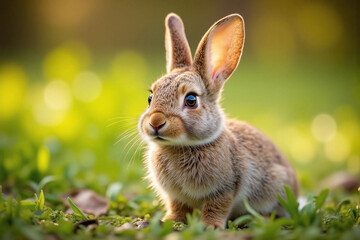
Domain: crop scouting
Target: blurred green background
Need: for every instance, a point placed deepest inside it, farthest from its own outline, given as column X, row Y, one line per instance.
column 74, row 74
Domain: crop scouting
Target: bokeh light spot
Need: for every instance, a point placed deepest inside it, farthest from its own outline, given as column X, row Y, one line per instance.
column 338, row 148
column 87, row 87
column 57, row 95
column 323, row 127
column 12, row 90
column 301, row 145
column 46, row 116
column 129, row 67
column 43, row 159
column 66, row 61
column 128, row 77
column 302, row 150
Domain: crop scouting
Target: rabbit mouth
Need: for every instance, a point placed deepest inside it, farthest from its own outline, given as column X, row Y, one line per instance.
column 159, row 138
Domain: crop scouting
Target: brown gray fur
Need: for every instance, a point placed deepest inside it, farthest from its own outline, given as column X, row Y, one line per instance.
column 198, row 158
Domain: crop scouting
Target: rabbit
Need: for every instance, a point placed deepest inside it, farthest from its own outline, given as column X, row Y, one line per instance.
column 197, row 158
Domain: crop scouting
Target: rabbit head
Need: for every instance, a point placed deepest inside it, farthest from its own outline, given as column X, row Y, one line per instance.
column 184, row 104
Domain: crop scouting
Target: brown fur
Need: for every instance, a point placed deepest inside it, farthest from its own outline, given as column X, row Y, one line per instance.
column 197, row 158
column 178, row 53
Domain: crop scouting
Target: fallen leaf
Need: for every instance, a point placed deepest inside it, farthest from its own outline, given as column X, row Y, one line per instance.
column 88, row 201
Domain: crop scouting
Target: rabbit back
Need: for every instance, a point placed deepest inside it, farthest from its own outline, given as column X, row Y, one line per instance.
column 265, row 170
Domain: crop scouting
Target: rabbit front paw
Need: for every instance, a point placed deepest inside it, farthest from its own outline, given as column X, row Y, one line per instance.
column 177, row 211
column 216, row 210
column 214, row 224
column 175, row 218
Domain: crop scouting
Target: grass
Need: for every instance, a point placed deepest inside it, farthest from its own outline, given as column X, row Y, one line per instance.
column 36, row 218
column 50, row 146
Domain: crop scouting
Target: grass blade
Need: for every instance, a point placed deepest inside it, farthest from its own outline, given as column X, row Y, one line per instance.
column 46, row 180
column 252, row 211
column 41, row 200
column 291, row 206
column 77, row 210
column 320, row 200
column 1, row 200
column 341, row 204
column 241, row 220
column 291, row 198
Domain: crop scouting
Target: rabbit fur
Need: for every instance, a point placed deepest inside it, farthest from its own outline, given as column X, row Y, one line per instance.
column 197, row 157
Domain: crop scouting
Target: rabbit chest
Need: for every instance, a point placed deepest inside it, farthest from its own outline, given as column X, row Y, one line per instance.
column 189, row 174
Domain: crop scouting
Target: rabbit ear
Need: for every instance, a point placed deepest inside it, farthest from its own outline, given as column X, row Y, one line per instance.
column 178, row 52
column 219, row 51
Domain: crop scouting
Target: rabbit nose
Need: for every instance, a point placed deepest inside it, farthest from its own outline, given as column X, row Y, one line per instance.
column 157, row 121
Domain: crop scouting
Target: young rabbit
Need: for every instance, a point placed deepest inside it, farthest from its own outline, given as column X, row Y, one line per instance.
column 198, row 158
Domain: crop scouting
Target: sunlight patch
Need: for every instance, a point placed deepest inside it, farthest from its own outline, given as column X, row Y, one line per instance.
column 12, row 90
column 57, row 95
column 87, row 86
column 323, row 127
column 338, row 148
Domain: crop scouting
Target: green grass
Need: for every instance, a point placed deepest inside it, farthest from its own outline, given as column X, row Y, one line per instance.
column 51, row 146
column 37, row 218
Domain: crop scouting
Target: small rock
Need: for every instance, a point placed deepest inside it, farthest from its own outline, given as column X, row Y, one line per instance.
column 125, row 226
column 141, row 224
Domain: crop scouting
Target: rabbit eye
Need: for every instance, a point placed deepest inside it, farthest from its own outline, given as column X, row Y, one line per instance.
column 150, row 98
column 190, row 100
